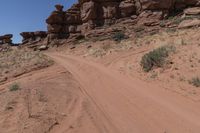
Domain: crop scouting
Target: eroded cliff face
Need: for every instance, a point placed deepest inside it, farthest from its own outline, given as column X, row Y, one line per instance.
column 90, row 14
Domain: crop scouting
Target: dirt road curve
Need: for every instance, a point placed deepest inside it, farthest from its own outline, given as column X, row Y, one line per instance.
column 129, row 105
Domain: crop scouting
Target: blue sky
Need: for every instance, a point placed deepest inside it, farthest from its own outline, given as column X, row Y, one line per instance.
column 26, row 15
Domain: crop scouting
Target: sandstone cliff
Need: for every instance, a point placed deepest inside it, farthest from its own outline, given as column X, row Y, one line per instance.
column 90, row 14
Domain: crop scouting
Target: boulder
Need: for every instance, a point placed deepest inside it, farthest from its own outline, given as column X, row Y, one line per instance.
column 42, row 47
column 192, row 11
column 127, row 8
column 189, row 23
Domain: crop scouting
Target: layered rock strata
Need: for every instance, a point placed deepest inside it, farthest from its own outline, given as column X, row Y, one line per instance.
column 90, row 14
column 31, row 37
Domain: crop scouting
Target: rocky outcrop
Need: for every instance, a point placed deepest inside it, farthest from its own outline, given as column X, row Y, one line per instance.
column 189, row 23
column 180, row 4
column 73, row 19
column 156, row 4
column 99, row 13
column 62, row 23
column 31, row 37
column 56, row 24
column 192, row 11
column 6, row 39
column 90, row 14
column 127, row 8
column 168, row 5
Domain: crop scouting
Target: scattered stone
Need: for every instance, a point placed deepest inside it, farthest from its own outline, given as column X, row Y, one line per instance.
column 43, row 47
column 88, row 47
column 73, row 47
column 189, row 23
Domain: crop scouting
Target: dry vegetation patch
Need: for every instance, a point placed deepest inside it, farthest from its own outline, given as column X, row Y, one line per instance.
column 16, row 62
column 156, row 58
column 195, row 82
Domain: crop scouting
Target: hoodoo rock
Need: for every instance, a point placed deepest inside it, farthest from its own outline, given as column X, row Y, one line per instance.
column 6, row 39
column 56, row 24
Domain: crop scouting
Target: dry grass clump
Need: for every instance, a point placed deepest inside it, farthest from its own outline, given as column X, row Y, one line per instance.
column 19, row 61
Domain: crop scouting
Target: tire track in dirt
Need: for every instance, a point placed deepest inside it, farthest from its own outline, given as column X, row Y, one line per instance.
column 131, row 105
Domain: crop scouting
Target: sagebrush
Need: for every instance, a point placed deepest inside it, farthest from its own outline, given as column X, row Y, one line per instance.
column 14, row 87
column 195, row 82
column 119, row 36
column 155, row 58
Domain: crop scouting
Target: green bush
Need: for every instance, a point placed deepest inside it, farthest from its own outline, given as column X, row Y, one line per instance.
column 195, row 82
column 14, row 87
column 155, row 58
column 119, row 36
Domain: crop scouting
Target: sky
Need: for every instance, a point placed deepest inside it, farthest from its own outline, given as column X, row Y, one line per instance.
column 18, row 16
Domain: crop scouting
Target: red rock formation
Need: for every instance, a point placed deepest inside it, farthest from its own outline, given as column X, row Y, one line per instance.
column 127, row 8
column 56, row 23
column 6, row 39
column 90, row 14
column 73, row 19
column 30, row 37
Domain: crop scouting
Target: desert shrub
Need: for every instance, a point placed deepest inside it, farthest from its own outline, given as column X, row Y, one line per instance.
column 22, row 61
column 14, row 87
column 106, row 47
column 155, row 58
column 195, row 82
column 119, row 36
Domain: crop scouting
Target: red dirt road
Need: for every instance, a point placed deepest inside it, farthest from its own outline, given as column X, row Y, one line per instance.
column 127, row 105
